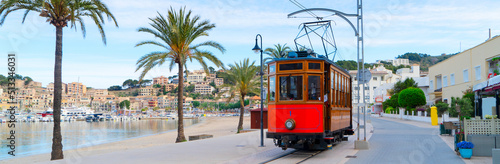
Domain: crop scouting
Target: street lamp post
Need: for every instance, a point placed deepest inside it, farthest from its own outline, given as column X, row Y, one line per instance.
column 257, row 49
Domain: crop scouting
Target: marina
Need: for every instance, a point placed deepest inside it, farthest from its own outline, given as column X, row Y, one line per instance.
column 36, row 138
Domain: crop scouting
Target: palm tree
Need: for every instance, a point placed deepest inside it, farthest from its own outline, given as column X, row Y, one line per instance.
column 60, row 13
column 279, row 51
column 177, row 32
column 242, row 79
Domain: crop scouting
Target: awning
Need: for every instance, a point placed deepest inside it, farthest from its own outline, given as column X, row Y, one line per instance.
column 488, row 85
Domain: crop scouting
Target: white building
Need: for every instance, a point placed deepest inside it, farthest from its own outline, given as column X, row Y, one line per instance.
column 203, row 89
column 196, row 76
column 413, row 72
column 380, row 76
column 398, row 62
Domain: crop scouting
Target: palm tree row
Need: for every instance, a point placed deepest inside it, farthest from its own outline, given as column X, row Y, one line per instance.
column 177, row 33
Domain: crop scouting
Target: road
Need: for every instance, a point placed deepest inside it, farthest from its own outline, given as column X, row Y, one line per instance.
column 394, row 142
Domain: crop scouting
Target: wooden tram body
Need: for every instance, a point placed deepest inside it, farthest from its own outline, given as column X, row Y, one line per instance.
column 309, row 102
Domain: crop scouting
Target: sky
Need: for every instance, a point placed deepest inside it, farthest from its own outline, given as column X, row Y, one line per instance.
column 391, row 28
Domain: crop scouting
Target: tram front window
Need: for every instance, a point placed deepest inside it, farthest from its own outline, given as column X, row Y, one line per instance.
column 314, row 88
column 272, row 88
column 291, row 88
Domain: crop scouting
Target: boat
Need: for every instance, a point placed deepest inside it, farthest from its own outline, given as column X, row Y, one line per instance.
column 69, row 113
column 74, row 111
column 88, row 119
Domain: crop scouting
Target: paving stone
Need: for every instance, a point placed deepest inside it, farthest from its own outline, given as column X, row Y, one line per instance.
column 395, row 142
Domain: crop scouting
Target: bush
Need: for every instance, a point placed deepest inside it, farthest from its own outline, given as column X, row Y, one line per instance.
column 411, row 97
column 386, row 104
column 394, row 101
column 441, row 108
column 466, row 109
column 411, row 110
column 395, row 110
column 389, row 110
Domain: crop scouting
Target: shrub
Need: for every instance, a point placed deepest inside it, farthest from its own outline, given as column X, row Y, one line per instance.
column 389, row 109
column 465, row 145
column 466, row 108
column 395, row 110
column 386, row 104
column 411, row 97
column 441, row 108
column 411, row 110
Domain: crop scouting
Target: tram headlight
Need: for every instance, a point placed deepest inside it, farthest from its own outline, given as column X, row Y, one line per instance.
column 290, row 124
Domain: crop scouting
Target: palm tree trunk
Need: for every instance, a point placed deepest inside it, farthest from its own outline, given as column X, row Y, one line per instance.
column 180, row 104
column 242, row 111
column 57, row 146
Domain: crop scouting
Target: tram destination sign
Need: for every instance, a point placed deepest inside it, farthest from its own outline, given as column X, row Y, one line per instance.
column 364, row 76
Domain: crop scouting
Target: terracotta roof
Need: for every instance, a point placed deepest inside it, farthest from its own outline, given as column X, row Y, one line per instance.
column 255, row 98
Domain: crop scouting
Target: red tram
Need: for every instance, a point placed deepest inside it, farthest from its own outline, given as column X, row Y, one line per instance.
column 309, row 102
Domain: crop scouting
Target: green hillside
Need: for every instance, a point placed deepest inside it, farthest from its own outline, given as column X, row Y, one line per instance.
column 424, row 60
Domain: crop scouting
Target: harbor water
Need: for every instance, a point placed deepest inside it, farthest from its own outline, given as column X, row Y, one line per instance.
column 36, row 138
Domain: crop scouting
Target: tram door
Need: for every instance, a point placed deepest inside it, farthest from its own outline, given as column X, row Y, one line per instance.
column 327, row 99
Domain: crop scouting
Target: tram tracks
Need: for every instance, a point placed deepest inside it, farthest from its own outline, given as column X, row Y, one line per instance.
column 296, row 156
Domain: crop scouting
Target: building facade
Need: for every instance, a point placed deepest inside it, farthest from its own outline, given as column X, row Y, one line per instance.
column 160, row 80
column 380, row 76
column 451, row 77
column 76, row 88
column 203, row 89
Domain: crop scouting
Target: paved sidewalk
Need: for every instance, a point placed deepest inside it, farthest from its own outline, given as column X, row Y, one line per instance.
column 238, row 148
column 449, row 140
column 216, row 150
column 396, row 142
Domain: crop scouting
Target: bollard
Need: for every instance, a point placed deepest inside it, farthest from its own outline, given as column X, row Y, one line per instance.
column 434, row 116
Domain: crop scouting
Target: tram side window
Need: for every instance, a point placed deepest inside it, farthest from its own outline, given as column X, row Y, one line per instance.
column 315, row 66
column 291, row 66
column 314, row 88
column 332, row 85
column 291, row 87
column 272, row 88
column 341, row 83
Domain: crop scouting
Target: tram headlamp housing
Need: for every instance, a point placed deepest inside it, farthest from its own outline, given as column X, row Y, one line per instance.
column 290, row 124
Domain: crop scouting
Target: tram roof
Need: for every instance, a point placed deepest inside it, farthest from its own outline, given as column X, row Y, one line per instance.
column 309, row 58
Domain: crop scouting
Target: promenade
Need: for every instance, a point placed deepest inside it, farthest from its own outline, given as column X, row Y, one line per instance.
column 391, row 141
column 394, row 142
column 237, row 148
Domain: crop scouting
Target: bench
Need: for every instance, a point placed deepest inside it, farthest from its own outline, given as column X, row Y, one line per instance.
column 199, row 137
